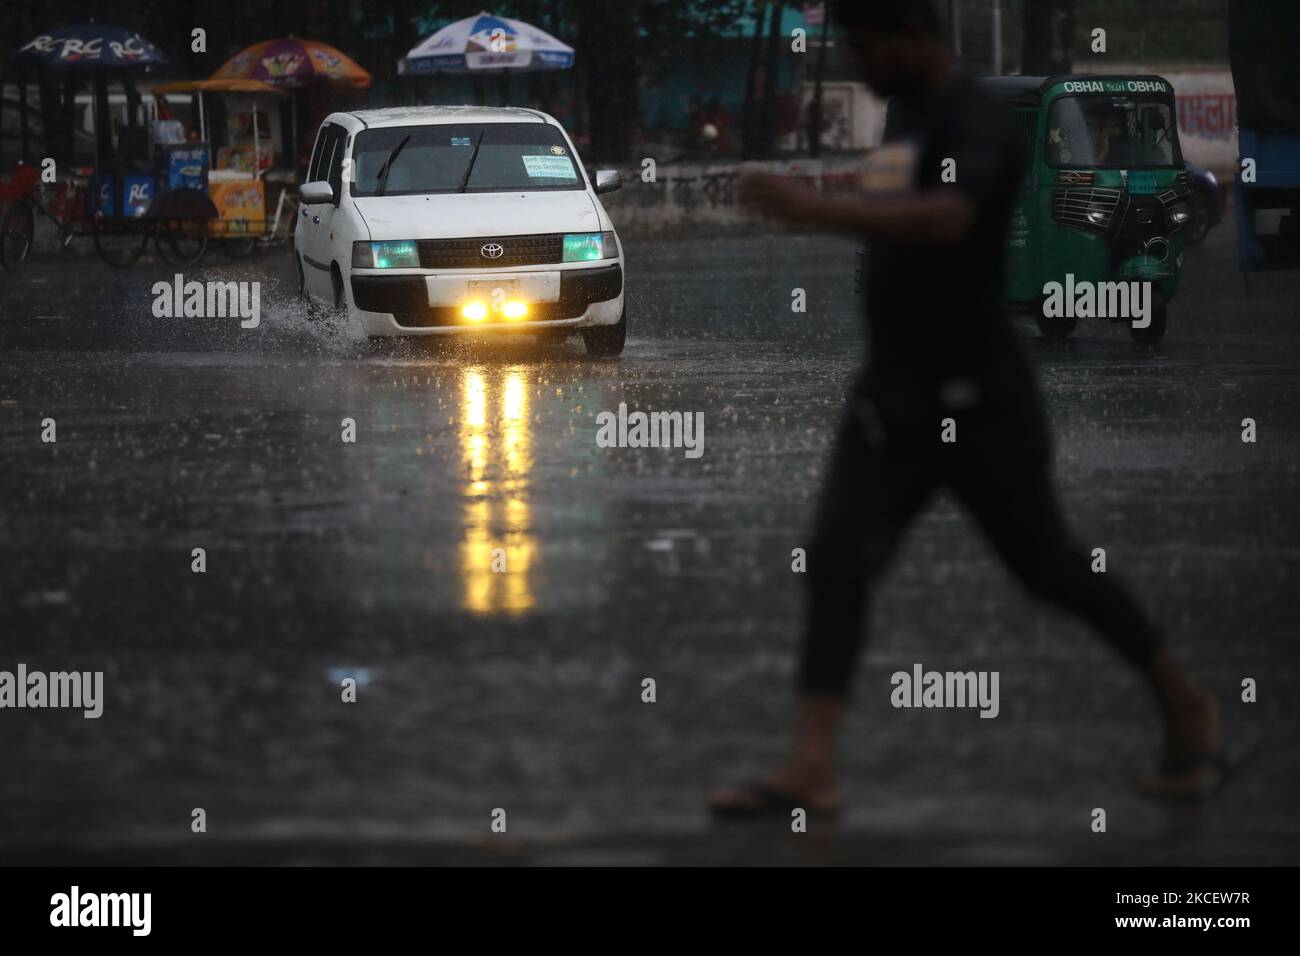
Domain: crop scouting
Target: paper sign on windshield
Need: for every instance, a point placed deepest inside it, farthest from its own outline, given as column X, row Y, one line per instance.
column 549, row 167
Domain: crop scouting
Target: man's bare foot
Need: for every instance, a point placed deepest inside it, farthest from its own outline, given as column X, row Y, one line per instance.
column 1194, row 766
column 778, row 792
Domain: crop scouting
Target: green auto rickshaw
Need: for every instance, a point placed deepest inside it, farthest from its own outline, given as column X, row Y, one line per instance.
column 1098, row 229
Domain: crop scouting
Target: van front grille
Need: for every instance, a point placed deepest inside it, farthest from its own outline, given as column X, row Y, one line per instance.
column 536, row 250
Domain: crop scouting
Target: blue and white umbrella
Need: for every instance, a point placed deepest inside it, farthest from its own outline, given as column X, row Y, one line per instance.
column 90, row 46
column 486, row 42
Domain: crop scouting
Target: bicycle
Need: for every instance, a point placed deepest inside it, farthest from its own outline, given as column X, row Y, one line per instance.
column 26, row 197
column 118, row 243
column 286, row 217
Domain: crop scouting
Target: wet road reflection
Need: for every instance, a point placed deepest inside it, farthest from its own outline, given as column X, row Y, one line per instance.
column 522, row 687
column 498, row 545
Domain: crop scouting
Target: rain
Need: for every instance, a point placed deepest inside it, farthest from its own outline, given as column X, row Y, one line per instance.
column 348, row 594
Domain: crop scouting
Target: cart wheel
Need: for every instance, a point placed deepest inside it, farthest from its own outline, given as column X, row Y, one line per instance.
column 239, row 248
column 16, row 234
column 180, row 248
column 120, row 247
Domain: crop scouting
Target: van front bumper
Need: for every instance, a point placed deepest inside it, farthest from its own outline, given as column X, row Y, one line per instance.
column 399, row 305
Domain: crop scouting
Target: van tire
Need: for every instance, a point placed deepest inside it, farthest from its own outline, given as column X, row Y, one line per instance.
column 336, row 282
column 606, row 341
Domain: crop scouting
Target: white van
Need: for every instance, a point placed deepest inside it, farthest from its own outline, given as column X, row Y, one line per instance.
column 442, row 220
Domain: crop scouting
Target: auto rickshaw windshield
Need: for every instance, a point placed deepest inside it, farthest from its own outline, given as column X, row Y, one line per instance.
column 1120, row 132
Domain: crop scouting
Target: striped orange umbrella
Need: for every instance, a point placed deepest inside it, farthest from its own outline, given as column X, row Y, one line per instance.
column 290, row 61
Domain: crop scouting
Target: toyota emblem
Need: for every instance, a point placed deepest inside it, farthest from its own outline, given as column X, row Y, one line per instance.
column 492, row 250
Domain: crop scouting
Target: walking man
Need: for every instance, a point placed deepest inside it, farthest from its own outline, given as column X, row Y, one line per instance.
column 941, row 348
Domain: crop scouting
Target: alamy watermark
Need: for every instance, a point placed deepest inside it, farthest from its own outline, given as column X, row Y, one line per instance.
column 651, row 430
column 75, row 908
column 57, row 689
column 922, row 688
column 1098, row 300
column 208, row 300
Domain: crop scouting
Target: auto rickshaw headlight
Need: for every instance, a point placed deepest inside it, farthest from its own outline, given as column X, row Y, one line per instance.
column 1180, row 215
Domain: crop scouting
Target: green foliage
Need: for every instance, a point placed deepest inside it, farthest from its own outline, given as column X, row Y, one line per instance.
column 1138, row 31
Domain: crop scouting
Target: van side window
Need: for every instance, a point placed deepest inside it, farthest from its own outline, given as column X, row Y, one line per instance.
column 313, row 168
column 328, row 150
column 327, row 153
column 335, row 170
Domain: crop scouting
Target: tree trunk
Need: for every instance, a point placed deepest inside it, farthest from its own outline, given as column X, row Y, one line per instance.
column 607, row 45
column 767, row 119
column 1049, row 35
column 749, row 118
column 815, row 108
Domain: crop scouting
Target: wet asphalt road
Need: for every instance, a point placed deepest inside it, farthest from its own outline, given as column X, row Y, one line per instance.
column 522, row 690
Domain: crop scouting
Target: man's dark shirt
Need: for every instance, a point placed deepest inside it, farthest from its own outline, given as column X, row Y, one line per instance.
column 935, row 312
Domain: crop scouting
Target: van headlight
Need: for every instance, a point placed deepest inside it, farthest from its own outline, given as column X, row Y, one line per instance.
column 586, row 246
column 394, row 254
column 1180, row 215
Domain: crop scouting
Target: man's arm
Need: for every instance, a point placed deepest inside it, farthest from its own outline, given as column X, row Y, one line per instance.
column 933, row 217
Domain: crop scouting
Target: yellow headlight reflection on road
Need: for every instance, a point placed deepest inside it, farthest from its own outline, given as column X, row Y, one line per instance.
column 474, row 311
column 514, row 309
column 498, row 547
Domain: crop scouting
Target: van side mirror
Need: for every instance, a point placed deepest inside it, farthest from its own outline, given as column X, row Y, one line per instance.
column 607, row 180
column 1155, row 119
column 316, row 194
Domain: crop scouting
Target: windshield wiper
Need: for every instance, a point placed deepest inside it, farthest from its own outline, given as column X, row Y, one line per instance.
column 388, row 165
column 464, row 180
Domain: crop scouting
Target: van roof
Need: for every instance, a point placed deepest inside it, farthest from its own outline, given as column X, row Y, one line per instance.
column 435, row 115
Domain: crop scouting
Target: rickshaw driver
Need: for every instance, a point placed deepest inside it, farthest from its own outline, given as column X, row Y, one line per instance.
column 1114, row 147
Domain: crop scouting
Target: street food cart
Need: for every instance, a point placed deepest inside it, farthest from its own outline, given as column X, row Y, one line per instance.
column 238, row 144
column 115, row 201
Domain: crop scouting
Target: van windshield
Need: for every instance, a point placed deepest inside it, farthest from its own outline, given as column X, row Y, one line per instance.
column 469, row 157
column 1119, row 132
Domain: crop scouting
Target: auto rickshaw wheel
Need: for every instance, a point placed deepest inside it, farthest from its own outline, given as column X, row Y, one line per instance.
column 1199, row 227
column 1057, row 328
column 1154, row 332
